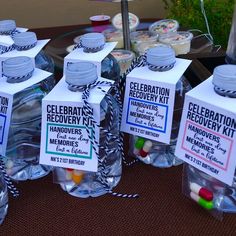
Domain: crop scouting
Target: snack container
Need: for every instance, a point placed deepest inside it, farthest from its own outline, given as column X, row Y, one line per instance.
column 138, row 37
column 124, row 59
column 133, row 21
column 164, row 26
column 180, row 41
column 113, row 35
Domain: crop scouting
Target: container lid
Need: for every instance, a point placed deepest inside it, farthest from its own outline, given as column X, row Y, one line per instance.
column 164, row 26
column 99, row 18
column 25, row 39
column 92, row 40
column 80, row 73
column 224, row 77
column 143, row 35
column 176, row 37
column 161, row 56
column 17, row 66
column 7, row 26
column 133, row 21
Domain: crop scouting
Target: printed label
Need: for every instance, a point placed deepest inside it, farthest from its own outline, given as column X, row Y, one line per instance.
column 66, row 140
column 148, row 109
column 5, row 117
column 148, row 115
column 207, row 139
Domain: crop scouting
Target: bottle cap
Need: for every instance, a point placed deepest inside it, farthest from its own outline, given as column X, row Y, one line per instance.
column 161, row 58
column 80, row 73
column 92, row 42
column 224, row 80
column 18, row 69
column 25, row 40
column 7, row 26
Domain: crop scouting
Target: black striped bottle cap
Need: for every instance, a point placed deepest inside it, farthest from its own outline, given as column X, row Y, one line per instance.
column 80, row 73
column 7, row 26
column 161, row 58
column 92, row 42
column 25, row 40
column 18, row 69
column 224, row 80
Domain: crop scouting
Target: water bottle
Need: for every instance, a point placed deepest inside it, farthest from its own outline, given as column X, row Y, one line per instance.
column 152, row 152
column 23, row 142
column 224, row 199
column 95, row 42
column 27, row 40
column 3, row 198
column 92, row 184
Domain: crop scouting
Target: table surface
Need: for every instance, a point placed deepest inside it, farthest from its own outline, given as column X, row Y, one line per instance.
column 43, row 208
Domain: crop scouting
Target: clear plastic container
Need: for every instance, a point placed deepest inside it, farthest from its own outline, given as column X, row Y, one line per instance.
column 133, row 21
column 224, row 82
column 113, row 35
column 149, row 151
column 124, row 59
column 91, row 184
column 180, row 41
column 3, row 198
column 23, row 145
column 144, row 46
column 138, row 37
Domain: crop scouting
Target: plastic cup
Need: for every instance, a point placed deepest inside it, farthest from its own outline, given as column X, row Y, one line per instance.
column 100, row 22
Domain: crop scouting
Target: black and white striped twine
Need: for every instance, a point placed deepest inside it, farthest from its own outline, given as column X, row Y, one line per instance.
column 7, row 179
column 23, row 48
column 230, row 93
column 4, row 49
column 95, row 145
column 18, row 79
column 87, row 49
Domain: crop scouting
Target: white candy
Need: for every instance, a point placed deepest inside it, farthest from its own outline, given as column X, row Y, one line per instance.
column 147, row 146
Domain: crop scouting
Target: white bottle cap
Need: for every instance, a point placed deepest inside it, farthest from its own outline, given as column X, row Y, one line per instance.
column 7, row 26
column 17, row 67
column 92, row 40
column 25, row 39
column 224, row 77
column 161, row 57
column 80, row 73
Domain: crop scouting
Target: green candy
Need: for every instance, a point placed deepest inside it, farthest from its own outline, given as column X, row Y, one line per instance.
column 205, row 204
column 139, row 143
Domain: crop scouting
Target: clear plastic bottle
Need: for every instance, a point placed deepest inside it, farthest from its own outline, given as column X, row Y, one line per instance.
column 225, row 85
column 3, row 198
column 27, row 40
column 90, row 184
column 94, row 42
column 23, row 143
column 160, row 154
